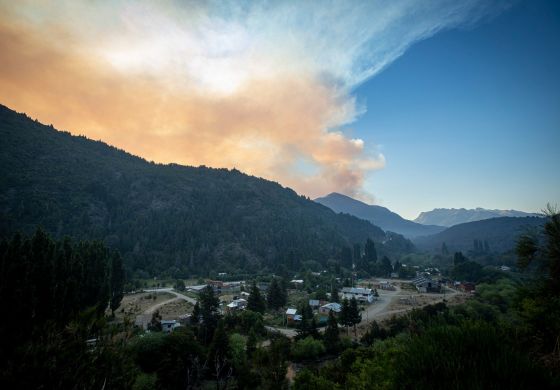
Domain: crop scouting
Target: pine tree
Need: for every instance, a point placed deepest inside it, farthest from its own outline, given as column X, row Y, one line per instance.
column 274, row 295
column 354, row 316
column 334, row 293
column 251, row 345
column 307, row 325
column 444, row 250
column 209, row 304
column 219, row 356
column 386, row 268
column 117, row 282
column 345, row 315
column 332, row 336
column 255, row 302
column 195, row 316
column 370, row 253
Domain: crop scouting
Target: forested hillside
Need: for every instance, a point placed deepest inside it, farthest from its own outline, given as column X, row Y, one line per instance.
column 163, row 218
column 496, row 234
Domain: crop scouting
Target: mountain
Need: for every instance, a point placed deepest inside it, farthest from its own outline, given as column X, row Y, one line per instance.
column 501, row 234
column 380, row 216
column 165, row 219
column 450, row 217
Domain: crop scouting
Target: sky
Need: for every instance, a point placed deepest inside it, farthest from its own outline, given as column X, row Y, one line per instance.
column 408, row 104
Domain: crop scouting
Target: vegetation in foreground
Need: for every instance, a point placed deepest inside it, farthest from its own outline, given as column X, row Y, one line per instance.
column 506, row 336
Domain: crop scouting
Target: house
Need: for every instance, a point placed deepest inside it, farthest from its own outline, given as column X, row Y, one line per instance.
column 467, row 287
column 296, row 282
column 385, row 285
column 292, row 317
column 332, row 306
column 236, row 304
column 424, row 283
column 196, row 289
column 169, row 326
column 360, row 293
column 505, row 268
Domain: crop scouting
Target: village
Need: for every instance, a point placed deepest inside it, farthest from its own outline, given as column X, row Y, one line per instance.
column 377, row 298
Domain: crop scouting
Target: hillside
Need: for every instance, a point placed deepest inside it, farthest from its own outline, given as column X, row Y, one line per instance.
column 380, row 216
column 500, row 233
column 450, row 217
column 168, row 219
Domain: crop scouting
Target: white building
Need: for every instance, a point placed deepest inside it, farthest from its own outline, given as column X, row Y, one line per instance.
column 237, row 304
column 168, row 326
column 333, row 306
column 361, row 294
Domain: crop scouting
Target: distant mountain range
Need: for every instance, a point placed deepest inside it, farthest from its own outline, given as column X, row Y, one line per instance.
column 451, row 217
column 378, row 215
column 501, row 234
column 168, row 220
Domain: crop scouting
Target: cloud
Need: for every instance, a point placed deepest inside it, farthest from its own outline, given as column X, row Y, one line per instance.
column 263, row 87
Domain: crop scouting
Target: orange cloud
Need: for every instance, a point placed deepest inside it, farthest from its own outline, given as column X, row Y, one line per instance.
column 265, row 127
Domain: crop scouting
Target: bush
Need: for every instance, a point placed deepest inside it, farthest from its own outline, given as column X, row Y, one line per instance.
column 308, row 348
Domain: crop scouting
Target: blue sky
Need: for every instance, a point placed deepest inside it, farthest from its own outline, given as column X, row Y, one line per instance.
column 470, row 117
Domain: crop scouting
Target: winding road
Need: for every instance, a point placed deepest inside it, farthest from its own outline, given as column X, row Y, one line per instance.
column 178, row 296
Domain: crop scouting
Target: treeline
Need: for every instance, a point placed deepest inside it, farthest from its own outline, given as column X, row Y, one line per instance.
column 506, row 337
column 166, row 220
column 54, row 296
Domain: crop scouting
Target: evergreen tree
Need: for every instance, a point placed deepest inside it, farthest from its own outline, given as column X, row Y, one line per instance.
column 332, row 335
column 459, row 258
column 219, row 356
column 195, row 316
column 251, row 345
column 209, row 304
column 345, row 314
column 117, row 282
column 354, row 315
column 307, row 326
column 334, row 293
column 444, row 250
column 357, row 252
column 370, row 253
column 274, row 295
column 255, row 302
column 385, row 267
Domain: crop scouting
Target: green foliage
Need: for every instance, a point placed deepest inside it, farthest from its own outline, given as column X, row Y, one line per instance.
column 256, row 302
column 307, row 348
column 56, row 294
column 445, row 356
column 168, row 220
column 276, row 296
column 306, row 380
column 307, row 326
column 209, row 305
column 272, row 365
column 145, row 382
column 332, row 334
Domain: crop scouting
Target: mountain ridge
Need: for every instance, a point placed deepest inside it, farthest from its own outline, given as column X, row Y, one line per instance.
column 500, row 233
column 166, row 219
column 378, row 215
column 453, row 216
